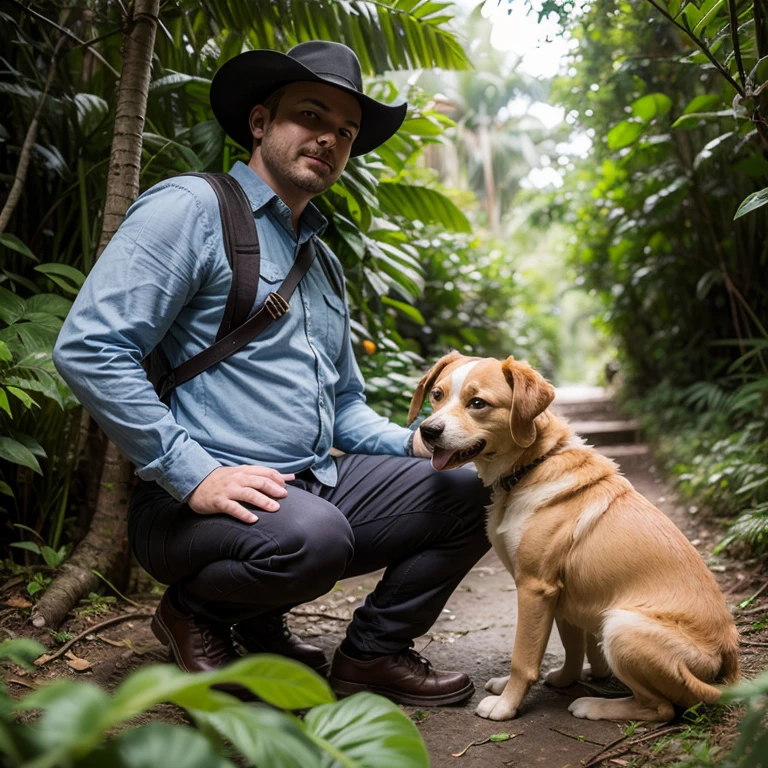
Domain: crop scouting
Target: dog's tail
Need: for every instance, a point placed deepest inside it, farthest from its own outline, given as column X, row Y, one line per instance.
column 728, row 674
column 698, row 688
column 730, row 669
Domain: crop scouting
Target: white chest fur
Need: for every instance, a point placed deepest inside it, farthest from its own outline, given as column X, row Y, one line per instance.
column 510, row 512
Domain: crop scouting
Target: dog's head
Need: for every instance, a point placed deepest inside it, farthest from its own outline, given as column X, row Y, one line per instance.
column 478, row 404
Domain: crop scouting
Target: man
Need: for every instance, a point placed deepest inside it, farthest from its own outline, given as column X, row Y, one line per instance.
column 240, row 507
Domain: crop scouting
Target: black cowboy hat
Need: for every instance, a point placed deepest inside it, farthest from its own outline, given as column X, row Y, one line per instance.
column 248, row 79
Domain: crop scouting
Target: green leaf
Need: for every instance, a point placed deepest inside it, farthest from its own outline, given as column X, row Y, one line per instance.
column 708, row 11
column 22, row 651
column 278, row 681
column 689, row 119
column 23, row 396
column 624, row 133
column 752, row 203
column 17, row 453
column 4, row 404
column 74, row 714
column 31, row 445
column 422, row 204
column 28, row 545
column 157, row 744
column 370, row 730
column 703, row 103
column 13, row 242
column 422, row 126
column 51, row 303
column 409, row 311
column 51, row 557
column 66, row 277
column 11, row 306
column 5, row 353
column 651, row 106
column 500, row 737
column 6, row 489
column 263, row 736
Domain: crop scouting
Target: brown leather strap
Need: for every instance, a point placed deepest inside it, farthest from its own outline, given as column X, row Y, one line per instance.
column 275, row 306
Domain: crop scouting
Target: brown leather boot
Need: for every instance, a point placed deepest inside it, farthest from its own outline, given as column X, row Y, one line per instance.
column 196, row 644
column 270, row 634
column 405, row 677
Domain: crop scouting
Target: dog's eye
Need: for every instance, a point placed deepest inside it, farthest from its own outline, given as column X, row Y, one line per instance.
column 437, row 395
column 476, row 403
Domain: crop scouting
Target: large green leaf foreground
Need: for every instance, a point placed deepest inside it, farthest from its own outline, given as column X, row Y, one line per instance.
column 362, row 731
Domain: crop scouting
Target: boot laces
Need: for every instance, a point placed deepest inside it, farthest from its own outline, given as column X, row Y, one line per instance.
column 416, row 661
column 216, row 639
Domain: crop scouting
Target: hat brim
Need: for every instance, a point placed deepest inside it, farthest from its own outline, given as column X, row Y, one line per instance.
column 248, row 79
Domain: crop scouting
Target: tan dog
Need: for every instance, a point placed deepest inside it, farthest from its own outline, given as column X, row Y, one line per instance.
column 586, row 550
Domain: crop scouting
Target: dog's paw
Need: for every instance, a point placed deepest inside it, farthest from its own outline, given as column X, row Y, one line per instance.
column 495, row 708
column 561, row 678
column 497, row 684
column 587, row 708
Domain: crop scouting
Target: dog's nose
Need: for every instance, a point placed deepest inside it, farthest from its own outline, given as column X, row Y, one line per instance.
column 431, row 431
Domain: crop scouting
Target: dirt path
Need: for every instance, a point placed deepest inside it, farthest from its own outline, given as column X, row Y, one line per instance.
column 474, row 634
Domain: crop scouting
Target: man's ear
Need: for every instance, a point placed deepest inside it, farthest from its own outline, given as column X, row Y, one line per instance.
column 531, row 395
column 427, row 380
column 257, row 121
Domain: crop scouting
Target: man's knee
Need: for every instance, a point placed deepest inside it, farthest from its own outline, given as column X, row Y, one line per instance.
column 461, row 494
column 312, row 553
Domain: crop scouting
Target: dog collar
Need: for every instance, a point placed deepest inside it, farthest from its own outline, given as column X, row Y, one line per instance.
column 508, row 482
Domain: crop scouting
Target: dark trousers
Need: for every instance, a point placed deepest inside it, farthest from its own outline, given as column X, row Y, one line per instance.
column 426, row 528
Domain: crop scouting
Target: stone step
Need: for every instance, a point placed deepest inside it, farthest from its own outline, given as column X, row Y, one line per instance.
column 599, row 433
column 602, row 409
column 625, row 451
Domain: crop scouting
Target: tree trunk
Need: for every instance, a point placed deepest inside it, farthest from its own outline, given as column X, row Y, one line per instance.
column 26, row 148
column 105, row 546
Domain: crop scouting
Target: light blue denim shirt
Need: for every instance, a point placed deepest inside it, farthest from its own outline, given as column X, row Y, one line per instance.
column 282, row 401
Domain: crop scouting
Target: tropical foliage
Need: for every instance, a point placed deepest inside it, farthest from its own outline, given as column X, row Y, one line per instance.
column 362, row 731
column 673, row 97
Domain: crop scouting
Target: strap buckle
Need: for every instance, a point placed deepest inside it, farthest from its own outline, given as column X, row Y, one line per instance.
column 276, row 305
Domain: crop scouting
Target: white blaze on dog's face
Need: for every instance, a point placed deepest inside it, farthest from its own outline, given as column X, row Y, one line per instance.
column 471, row 403
column 480, row 407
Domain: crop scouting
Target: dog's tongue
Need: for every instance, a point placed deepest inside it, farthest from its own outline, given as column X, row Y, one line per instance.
column 440, row 458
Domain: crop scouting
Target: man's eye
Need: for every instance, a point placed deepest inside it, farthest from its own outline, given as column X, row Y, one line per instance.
column 310, row 113
column 477, row 403
column 437, row 395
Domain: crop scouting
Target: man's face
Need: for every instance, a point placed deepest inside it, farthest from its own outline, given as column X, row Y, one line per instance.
column 309, row 140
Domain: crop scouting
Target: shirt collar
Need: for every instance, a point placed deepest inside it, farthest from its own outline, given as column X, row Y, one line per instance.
column 260, row 195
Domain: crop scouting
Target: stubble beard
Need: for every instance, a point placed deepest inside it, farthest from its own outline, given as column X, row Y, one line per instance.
column 281, row 165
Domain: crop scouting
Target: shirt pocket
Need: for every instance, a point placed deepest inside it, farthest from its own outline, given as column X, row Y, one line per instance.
column 335, row 325
column 271, row 277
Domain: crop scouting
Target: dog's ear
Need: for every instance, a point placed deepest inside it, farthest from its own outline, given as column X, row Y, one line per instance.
column 427, row 380
column 531, row 395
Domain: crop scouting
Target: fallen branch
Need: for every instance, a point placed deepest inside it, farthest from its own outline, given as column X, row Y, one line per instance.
column 581, row 739
column 605, row 754
column 757, row 594
column 495, row 738
column 754, row 643
column 321, row 615
column 45, row 658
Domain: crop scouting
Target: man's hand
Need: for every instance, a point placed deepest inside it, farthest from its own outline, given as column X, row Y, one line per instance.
column 221, row 491
column 420, row 448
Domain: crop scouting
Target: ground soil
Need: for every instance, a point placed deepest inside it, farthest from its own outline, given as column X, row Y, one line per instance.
column 475, row 634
